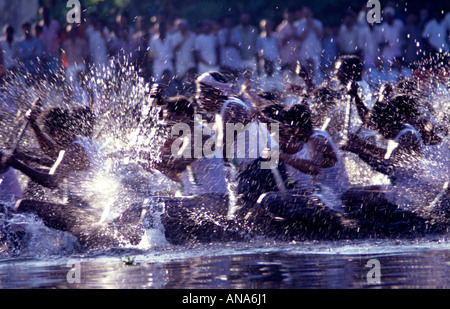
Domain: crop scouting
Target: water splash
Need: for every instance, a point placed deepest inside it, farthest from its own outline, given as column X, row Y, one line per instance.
column 129, row 135
column 118, row 97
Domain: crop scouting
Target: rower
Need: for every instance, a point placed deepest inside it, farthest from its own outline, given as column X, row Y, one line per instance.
column 240, row 142
column 78, row 165
column 196, row 172
column 407, row 141
column 312, row 160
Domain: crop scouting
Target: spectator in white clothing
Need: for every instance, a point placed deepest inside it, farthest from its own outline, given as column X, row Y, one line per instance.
column 184, row 46
column 348, row 36
column 230, row 48
column 330, row 49
column 368, row 44
column 28, row 50
column 8, row 48
column 288, row 41
column 390, row 37
column 269, row 69
column 435, row 33
column 310, row 31
column 98, row 50
column 161, row 52
column 206, row 49
column 266, row 43
column 248, row 35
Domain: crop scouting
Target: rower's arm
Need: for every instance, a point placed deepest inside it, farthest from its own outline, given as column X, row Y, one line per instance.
column 409, row 148
column 380, row 165
column 32, row 159
column 73, row 160
column 362, row 109
column 322, row 153
column 304, row 166
column 43, row 179
column 372, row 155
column 355, row 143
column 48, row 146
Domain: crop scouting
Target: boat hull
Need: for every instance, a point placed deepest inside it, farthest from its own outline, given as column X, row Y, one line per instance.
column 203, row 219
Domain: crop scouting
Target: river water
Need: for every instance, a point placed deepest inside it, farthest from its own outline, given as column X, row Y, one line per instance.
column 259, row 264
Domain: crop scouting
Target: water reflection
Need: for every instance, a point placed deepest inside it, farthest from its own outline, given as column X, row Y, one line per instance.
column 423, row 269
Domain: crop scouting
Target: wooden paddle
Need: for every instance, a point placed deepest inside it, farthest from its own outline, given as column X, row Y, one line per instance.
column 36, row 105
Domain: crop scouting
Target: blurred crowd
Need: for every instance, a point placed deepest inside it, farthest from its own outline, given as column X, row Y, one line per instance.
column 168, row 50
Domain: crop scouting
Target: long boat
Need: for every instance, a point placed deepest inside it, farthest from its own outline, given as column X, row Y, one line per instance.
column 204, row 218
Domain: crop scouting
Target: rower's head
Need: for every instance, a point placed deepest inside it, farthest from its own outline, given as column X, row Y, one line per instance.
column 58, row 125
column 83, row 121
column 348, row 68
column 406, row 105
column 407, row 86
column 179, row 109
column 296, row 123
column 324, row 97
column 213, row 90
column 389, row 115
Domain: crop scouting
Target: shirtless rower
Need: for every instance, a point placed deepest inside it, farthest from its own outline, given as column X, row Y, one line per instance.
column 407, row 138
column 78, row 160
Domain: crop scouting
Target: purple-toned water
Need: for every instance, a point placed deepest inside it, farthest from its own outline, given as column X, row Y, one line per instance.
column 423, row 263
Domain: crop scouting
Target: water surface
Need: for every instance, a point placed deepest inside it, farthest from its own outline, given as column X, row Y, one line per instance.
column 406, row 264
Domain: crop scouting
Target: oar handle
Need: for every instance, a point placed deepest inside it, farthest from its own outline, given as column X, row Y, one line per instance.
column 37, row 104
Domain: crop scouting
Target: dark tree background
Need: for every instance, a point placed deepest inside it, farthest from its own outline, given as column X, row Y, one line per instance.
column 328, row 11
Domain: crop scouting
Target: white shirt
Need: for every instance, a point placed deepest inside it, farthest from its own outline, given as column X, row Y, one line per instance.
column 391, row 34
column 248, row 41
column 249, row 143
column 9, row 54
column 98, row 50
column 437, row 34
column 311, row 46
column 333, row 180
column 368, row 41
column 417, row 183
column 162, row 50
column 206, row 45
column 267, row 47
column 348, row 40
column 230, row 56
column 184, row 56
